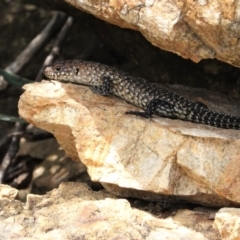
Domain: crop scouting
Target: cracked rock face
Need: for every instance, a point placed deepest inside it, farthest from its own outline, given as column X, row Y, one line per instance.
column 73, row 211
column 133, row 156
column 192, row 29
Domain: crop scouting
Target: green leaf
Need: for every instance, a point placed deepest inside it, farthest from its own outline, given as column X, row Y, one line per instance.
column 8, row 118
column 13, row 79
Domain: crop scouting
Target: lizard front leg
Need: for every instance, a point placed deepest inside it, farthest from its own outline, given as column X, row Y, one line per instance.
column 103, row 89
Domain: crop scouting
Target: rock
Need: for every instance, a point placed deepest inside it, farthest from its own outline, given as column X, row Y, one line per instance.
column 8, row 192
column 55, row 168
column 192, row 29
column 74, row 211
column 227, row 221
column 8, row 205
column 138, row 157
column 198, row 220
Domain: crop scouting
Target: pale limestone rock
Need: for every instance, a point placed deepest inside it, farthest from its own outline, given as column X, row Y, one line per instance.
column 227, row 221
column 73, row 211
column 8, row 192
column 193, row 29
column 8, row 205
column 128, row 153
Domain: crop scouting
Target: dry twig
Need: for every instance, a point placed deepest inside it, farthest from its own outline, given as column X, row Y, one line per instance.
column 34, row 46
column 56, row 47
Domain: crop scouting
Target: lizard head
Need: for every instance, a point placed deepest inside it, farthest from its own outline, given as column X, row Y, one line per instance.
column 60, row 71
column 76, row 71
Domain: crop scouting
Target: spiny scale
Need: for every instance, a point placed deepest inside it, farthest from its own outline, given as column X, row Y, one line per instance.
column 153, row 99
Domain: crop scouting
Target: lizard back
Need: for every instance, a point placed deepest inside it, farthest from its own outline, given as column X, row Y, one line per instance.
column 138, row 92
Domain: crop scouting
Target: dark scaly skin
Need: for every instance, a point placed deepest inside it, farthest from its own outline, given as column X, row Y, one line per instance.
column 153, row 99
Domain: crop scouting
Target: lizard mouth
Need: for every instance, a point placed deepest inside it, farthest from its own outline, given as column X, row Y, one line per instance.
column 48, row 72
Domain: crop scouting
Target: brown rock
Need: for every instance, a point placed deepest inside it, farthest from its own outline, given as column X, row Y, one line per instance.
column 128, row 153
column 193, row 29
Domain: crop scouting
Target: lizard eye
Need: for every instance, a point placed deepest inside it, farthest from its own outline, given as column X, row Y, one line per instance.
column 58, row 69
column 77, row 71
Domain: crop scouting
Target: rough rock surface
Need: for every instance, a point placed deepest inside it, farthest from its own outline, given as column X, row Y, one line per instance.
column 193, row 29
column 128, row 153
column 227, row 222
column 8, row 192
column 73, row 211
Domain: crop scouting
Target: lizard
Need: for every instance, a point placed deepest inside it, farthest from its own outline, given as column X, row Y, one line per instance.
column 153, row 99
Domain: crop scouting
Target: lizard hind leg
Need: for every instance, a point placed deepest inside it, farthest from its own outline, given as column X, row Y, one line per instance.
column 155, row 106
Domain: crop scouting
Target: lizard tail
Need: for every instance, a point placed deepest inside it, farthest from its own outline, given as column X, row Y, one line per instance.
column 202, row 114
